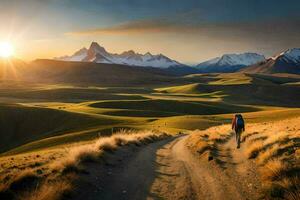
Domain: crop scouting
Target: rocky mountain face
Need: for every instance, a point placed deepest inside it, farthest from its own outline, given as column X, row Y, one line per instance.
column 285, row 62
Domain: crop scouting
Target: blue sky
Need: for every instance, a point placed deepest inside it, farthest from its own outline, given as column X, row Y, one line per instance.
column 189, row 31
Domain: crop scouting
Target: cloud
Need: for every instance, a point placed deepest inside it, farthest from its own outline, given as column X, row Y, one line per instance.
column 261, row 30
column 136, row 27
column 268, row 36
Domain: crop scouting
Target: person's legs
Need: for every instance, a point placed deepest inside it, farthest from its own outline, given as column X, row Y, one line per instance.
column 236, row 136
column 238, row 133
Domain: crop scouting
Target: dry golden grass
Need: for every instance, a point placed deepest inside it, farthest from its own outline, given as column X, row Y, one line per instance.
column 92, row 152
column 272, row 170
column 293, row 188
column 254, row 149
column 47, row 179
column 281, row 179
column 274, row 146
column 267, row 155
column 48, row 191
column 205, row 141
column 277, row 156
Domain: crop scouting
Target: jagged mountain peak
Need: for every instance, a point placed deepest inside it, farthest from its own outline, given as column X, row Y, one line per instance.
column 80, row 51
column 95, row 48
column 97, row 53
column 292, row 55
column 285, row 62
column 95, row 45
column 230, row 62
column 128, row 53
column 241, row 59
column 148, row 54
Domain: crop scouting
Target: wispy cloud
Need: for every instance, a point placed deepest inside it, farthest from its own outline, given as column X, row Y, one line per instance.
column 137, row 27
column 267, row 36
column 265, row 30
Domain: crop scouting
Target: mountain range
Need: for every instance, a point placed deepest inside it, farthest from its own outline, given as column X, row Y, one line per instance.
column 115, row 74
column 98, row 54
column 229, row 63
column 287, row 61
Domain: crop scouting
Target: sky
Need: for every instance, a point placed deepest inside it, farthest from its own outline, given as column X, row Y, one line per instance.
column 189, row 31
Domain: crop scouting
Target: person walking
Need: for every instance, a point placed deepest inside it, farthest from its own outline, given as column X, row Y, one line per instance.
column 238, row 125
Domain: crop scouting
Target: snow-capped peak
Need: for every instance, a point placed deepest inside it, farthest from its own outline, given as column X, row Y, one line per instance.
column 97, row 53
column 243, row 59
column 127, row 53
column 148, row 54
column 77, row 56
column 230, row 62
column 95, row 48
column 292, row 55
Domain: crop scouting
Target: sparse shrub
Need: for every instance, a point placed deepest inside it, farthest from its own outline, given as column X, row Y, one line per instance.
column 106, row 144
column 85, row 154
column 275, row 191
column 70, row 167
column 267, row 155
column 49, row 191
column 25, row 180
column 254, row 149
column 292, row 187
column 246, row 135
column 273, row 170
column 207, row 140
column 120, row 141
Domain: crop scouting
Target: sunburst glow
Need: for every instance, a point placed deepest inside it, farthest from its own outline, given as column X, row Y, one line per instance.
column 6, row 49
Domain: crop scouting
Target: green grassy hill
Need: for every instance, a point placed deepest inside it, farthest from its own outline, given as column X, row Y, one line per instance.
column 22, row 124
column 174, row 107
column 77, row 104
column 245, row 89
column 82, row 73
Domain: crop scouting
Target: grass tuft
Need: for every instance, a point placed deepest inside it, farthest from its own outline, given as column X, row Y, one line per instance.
column 49, row 191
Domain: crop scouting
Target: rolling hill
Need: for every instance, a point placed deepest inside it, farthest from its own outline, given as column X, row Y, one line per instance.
column 21, row 124
column 52, row 71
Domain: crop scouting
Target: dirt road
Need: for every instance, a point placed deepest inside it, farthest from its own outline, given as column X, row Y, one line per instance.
column 168, row 170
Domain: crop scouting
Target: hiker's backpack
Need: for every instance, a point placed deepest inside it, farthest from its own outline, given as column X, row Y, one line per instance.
column 239, row 121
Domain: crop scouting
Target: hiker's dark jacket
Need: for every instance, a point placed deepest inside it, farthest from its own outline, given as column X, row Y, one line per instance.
column 234, row 125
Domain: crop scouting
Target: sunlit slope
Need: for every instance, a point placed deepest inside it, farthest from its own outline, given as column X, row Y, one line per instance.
column 184, row 89
column 230, row 79
column 192, row 122
column 22, row 124
column 65, row 94
column 174, row 107
column 82, row 73
column 75, row 113
column 244, row 89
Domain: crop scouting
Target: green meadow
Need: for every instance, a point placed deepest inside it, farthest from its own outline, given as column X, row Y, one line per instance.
column 41, row 116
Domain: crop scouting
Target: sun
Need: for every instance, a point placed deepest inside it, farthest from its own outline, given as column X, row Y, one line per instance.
column 6, row 49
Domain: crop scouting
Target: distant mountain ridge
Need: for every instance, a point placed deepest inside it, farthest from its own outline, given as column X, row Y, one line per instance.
column 98, row 54
column 229, row 63
column 285, row 62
